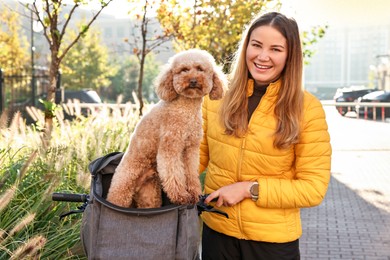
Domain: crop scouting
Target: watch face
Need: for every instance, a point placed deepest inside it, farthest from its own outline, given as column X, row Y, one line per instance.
column 255, row 189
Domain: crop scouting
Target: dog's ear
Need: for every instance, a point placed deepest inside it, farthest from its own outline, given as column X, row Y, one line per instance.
column 164, row 86
column 219, row 84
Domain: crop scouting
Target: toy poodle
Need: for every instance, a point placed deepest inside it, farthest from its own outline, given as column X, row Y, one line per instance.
column 163, row 153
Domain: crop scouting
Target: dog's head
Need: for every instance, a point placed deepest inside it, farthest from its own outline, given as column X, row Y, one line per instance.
column 193, row 74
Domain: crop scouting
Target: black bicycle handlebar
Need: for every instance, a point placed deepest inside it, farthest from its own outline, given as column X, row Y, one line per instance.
column 69, row 197
column 202, row 206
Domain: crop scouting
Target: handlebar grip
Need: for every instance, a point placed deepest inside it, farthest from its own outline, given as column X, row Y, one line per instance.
column 69, row 197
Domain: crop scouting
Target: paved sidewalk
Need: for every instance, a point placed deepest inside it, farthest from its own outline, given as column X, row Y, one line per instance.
column 353, row 222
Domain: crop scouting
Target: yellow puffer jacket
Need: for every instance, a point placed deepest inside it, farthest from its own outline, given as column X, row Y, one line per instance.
column 288, row 179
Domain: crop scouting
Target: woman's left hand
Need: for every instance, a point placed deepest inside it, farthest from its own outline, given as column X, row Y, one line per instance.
column 231, row 194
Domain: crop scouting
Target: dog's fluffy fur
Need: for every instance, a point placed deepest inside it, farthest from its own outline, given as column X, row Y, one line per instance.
column 164, row 149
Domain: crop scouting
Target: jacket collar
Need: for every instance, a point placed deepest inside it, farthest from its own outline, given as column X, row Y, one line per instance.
column 272, row 90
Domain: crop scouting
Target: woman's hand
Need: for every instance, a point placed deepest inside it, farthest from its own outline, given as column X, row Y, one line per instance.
column 231, row 194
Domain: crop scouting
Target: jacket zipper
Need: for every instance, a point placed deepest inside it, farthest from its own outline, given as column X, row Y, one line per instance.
column 239, row 165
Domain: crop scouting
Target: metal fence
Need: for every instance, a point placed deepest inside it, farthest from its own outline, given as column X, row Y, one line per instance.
column 364, row 110
column 23, row 87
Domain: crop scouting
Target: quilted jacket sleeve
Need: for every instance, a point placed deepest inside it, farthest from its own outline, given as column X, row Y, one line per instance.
column 312, row 165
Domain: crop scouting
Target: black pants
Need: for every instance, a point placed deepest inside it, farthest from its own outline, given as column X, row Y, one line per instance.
column 217, row 246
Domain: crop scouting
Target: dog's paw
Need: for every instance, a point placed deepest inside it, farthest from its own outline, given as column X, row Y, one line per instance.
column 180, row 199
column 194, row 199
column 194, row 195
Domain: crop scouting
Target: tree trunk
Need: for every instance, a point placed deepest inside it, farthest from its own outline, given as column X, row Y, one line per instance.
column 49, row 113
column 142, row 61
column 140, row 79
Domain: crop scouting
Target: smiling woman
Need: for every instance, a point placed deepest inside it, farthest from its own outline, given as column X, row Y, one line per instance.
column 266, row 148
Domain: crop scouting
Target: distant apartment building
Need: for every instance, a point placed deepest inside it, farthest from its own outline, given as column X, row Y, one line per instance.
column 114, row 33
column 350, row 56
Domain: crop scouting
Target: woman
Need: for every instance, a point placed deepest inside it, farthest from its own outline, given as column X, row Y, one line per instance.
column 266, row 148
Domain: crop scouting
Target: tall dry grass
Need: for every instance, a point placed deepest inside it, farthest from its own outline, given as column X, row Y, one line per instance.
column 30, row 173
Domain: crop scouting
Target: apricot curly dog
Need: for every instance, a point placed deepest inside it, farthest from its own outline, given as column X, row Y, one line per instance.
column 164, row 149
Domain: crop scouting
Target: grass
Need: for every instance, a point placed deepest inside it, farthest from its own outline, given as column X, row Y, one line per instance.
column 29, row 174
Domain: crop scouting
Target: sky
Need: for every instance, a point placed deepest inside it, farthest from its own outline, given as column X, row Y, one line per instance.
column 337, row 13
column 309, row 13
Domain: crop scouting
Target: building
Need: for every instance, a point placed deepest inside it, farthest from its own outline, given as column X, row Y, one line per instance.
column 356, row 45
column 350, row 57
column 120, row 35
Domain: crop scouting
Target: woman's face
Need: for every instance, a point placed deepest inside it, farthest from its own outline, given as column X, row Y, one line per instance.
column 266, row 54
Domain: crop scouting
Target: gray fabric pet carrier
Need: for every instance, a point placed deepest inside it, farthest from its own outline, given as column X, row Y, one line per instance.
column 112, row 232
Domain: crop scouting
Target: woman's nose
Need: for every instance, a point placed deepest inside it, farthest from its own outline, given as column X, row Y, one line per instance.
column 263, row 55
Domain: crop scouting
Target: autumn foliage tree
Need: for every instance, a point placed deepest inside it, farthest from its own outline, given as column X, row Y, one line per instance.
column 310, row 38
column 13, row 47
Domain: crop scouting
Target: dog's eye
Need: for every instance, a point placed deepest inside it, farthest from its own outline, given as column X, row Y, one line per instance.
column 199, row 68
column 184, row 70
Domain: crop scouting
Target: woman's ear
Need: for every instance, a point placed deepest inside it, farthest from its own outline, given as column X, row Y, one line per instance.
column 164, row 86
column 219, row 85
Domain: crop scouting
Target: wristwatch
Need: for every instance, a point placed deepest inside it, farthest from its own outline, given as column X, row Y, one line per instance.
column 254, row 190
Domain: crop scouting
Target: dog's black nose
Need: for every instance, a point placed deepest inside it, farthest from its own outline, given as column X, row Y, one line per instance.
column 193, row 83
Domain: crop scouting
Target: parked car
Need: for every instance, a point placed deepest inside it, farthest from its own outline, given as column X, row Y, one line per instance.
column 350, row 94
column 379, row 96
column 84, row 96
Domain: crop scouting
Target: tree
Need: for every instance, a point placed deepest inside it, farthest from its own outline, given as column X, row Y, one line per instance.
column 13, row 47
column 87, row 65
column 148, row 39
column 55, row 23
column 310, row 38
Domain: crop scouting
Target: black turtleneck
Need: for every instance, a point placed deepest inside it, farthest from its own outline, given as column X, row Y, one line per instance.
column 254, row 100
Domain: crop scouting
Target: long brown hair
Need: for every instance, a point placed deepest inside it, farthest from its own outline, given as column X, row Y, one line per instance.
column 288, row 108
